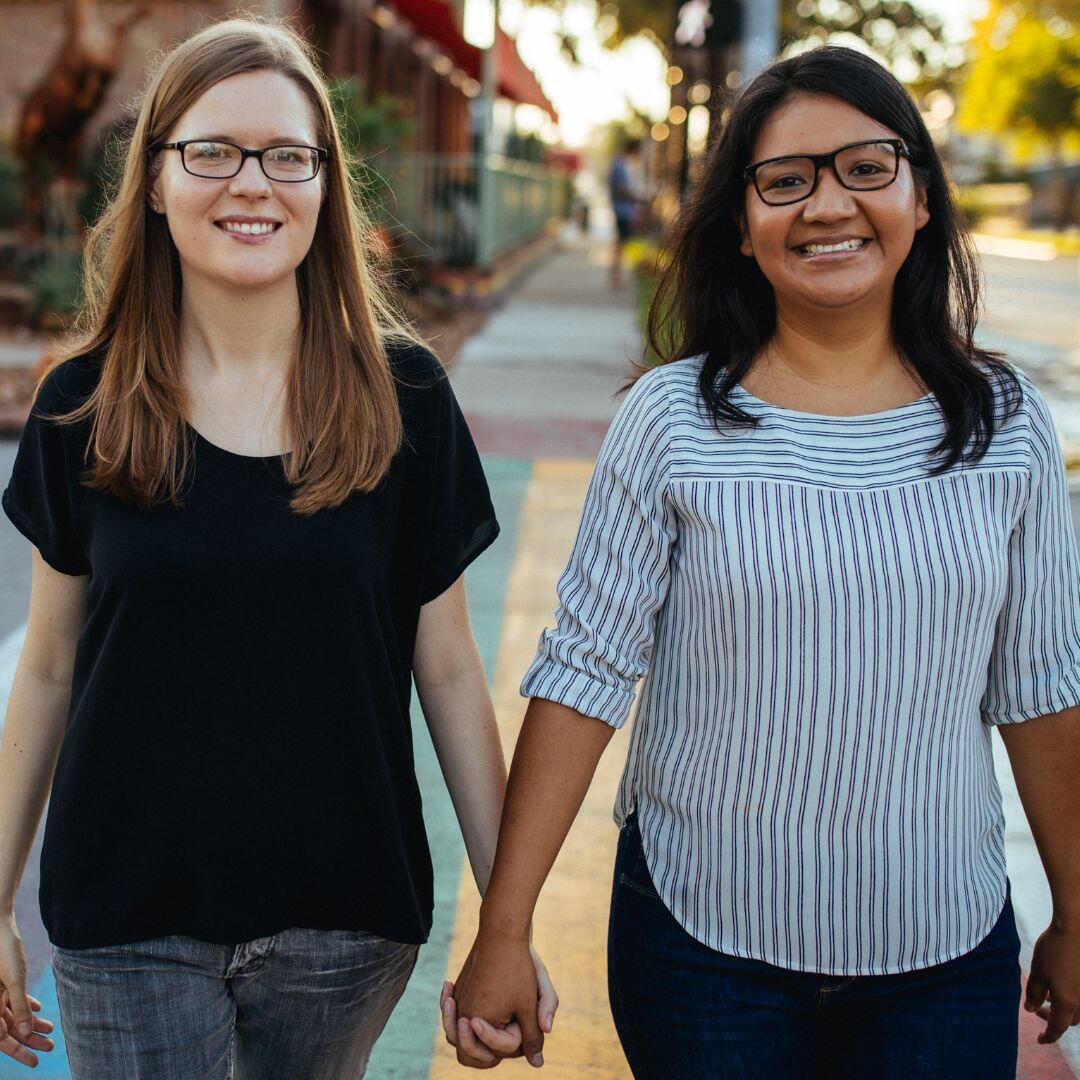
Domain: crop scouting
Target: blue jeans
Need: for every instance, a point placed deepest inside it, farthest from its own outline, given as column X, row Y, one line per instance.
column 300, row 1005
column 684, row 1011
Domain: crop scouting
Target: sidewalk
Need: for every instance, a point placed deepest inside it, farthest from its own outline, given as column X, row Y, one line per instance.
column 537, row 385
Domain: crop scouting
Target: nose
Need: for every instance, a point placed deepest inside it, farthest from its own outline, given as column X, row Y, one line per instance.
column 831, row 201
column 250, row 180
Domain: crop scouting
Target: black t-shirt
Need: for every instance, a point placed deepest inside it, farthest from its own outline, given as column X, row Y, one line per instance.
column 238, row 758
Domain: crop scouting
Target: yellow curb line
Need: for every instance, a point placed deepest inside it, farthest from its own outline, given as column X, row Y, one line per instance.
column 570, row 931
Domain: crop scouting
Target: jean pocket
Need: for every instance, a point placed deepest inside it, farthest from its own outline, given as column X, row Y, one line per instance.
column 640, row 888
column 635, row 873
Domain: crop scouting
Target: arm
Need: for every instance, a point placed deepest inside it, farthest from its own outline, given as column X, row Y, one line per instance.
column 554, row 762
column 1045, row 758
column 453, row 693
column 33, row 731
column 582, row 688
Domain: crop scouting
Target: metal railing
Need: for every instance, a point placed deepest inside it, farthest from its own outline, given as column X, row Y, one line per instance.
column 452, row 209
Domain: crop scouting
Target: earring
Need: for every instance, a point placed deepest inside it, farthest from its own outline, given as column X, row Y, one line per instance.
column 154, row 206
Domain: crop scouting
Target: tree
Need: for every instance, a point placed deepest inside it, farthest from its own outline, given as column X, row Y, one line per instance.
column 905, row 38
column 1024, row 79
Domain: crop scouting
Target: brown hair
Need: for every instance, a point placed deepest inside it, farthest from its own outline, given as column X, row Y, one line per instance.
column 342, row 414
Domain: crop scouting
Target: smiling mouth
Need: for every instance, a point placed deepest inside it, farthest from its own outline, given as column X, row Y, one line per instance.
column 832, row 249
column 261, row 228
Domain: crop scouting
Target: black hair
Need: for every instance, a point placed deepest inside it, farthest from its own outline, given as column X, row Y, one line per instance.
column 712, row 300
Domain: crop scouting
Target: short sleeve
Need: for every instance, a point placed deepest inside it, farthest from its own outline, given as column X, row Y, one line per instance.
column 460, row 518
column 40, row 495
column 1034, row 666
column 619, row 570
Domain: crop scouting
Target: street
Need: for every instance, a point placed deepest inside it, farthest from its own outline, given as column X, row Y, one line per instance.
column 538, row 385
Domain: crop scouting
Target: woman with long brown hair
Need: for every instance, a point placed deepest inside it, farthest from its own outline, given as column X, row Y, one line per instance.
column 252, row 496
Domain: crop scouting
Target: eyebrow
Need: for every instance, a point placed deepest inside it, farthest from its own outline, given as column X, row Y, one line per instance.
column 275, row 140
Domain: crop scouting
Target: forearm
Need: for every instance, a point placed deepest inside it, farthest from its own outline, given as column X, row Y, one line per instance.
column 1045, row 758
column 556, row 756
column 33, row 732
column 462, row 723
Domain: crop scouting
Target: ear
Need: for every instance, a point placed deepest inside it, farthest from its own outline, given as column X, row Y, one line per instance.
column 922, row 209
column 153, row 196
column 746, row 245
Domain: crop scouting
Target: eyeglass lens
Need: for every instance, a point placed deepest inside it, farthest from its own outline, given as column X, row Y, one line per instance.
column 861, row 168
column 215, row 159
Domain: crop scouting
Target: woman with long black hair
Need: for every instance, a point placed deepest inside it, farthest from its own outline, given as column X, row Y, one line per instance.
column 833, row 534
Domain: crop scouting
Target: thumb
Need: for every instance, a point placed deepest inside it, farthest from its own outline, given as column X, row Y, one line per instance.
column 1036, row 993
column 20, row 1010
column 532, row 1038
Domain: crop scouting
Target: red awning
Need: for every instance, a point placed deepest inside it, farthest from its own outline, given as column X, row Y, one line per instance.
column 434, row 20
column 516, row 81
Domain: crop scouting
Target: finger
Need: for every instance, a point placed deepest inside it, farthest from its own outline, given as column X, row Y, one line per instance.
column 548, row 1000
column 21, row 1012
column 449, row 1019
column 1035, row 994
column 41, row 1028
column 470, row 1050
column 40, row 1023
column 532, row 1039
column 1057, row 1025
column 15, row 1050
column 504, row 1042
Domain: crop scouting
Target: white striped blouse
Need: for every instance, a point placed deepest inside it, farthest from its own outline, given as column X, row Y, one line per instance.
column 828, row 634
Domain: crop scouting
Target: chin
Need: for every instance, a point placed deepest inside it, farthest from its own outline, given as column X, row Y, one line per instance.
column 238, row 278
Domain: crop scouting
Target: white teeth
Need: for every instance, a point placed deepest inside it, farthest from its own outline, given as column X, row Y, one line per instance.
column 824, row 249
column 256, row 229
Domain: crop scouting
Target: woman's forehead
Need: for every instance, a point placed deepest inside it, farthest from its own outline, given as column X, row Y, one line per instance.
column 815, row 124
column 260, row 107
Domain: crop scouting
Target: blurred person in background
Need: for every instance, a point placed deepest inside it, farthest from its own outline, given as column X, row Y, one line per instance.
column 627, row 202
column 834, row 536
column 251, row 495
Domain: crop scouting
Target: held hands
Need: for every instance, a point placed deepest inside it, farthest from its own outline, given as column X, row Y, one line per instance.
column 1055, row 972
column 21, row 1032
column 502, row 980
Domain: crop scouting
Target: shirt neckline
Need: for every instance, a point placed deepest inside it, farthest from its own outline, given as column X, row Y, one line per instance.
column 883, row 414
column 229, row 457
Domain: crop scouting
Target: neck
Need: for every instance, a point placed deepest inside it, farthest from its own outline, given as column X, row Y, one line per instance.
column 834, row 352
column 246, row 333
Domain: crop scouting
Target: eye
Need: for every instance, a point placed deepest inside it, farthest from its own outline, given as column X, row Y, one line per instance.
column 209, row 151
column 866, row 168
column 788, row 181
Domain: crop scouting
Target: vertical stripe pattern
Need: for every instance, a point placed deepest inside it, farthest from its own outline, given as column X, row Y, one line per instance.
column 826, row 634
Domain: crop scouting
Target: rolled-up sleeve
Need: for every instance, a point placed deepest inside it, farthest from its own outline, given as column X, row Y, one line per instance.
column 1034, row 666
column 617, row 578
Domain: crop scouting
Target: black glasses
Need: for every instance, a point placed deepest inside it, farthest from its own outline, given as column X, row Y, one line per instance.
column 861, row 166
column 220, row 160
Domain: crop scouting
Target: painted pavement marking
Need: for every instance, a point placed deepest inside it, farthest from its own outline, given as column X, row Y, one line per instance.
column 571, row 920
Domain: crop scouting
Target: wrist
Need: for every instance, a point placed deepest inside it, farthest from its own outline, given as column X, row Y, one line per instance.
column 505, row 924
column 1066, row 921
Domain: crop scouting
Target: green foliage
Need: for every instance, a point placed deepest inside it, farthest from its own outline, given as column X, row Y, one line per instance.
column 910, row 42
column 369, row 127
column 10, row 192
column 370, row 130
column 1024, row 79
column 905, row 38
column 57, row 287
